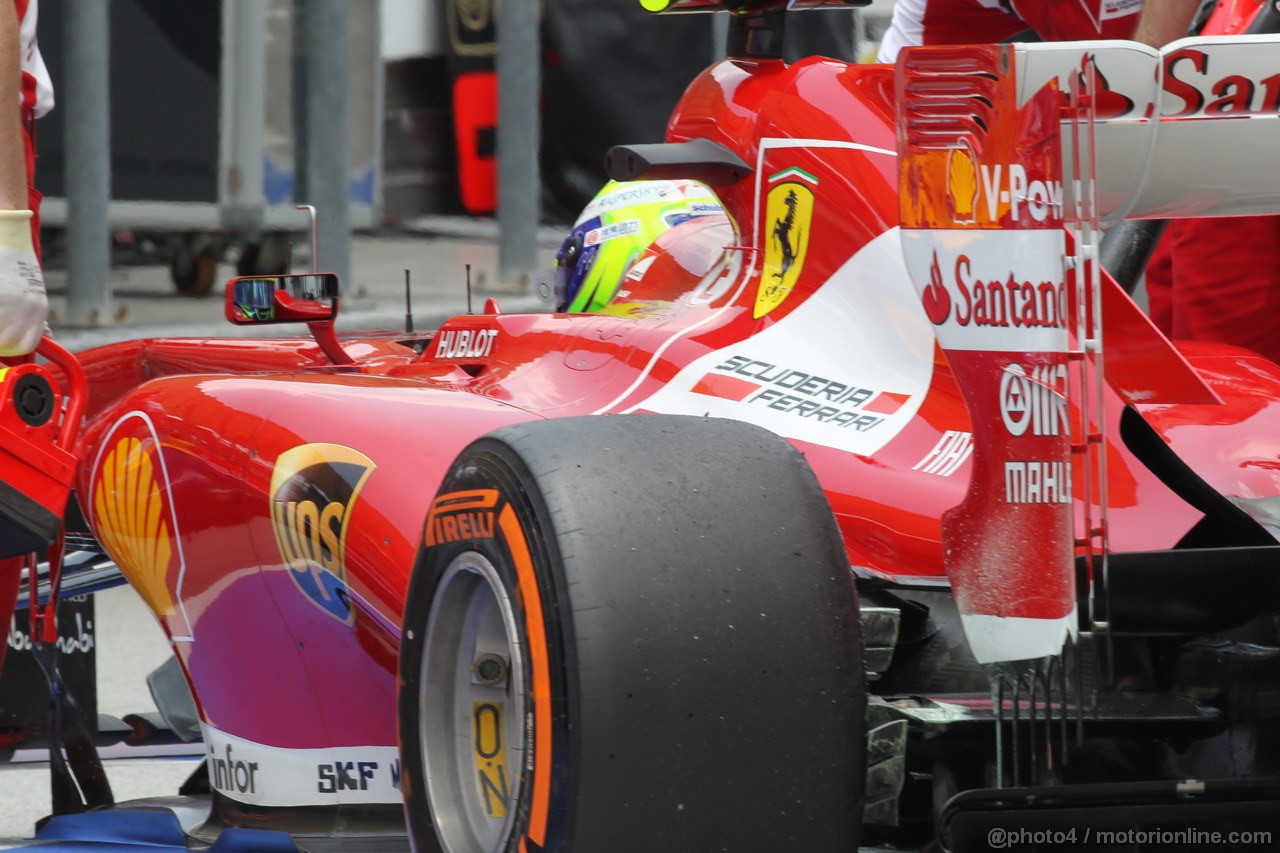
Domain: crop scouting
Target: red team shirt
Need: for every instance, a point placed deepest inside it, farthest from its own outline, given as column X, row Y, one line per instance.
column 37, row 99
column 986, row 21
column 37, row 88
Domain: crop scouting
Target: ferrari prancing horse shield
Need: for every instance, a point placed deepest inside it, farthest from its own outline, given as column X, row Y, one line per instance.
column 788, row 216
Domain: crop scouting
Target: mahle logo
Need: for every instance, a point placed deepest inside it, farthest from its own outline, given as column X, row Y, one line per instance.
column 1034, row 399
column 314, row 488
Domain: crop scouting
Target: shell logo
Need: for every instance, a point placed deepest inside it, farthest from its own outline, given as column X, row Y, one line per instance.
column 962, row 185
column 130, row 512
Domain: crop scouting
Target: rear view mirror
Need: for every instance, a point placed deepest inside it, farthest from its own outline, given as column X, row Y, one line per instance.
column 301, row 298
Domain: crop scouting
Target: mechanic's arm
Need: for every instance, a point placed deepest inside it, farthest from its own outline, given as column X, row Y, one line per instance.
column 23, row 306
column 13, row 166
column 1163, row 21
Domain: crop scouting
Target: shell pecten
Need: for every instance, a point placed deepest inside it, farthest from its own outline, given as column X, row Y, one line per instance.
column 129, row 505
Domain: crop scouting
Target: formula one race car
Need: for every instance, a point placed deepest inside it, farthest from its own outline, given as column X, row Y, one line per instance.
column 831, row 528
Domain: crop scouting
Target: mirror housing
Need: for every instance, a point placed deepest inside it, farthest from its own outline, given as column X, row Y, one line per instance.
column 294, row 298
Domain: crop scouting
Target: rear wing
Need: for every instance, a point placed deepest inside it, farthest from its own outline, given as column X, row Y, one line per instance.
column 1191, row 130
column 1011, row 158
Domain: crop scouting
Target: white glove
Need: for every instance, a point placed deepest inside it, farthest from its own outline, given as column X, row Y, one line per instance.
column 23, row 306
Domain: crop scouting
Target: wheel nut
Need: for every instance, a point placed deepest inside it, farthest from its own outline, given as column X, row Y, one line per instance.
column 490, row 669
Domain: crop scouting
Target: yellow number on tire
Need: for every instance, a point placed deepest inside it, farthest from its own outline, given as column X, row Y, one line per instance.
column 491, row 761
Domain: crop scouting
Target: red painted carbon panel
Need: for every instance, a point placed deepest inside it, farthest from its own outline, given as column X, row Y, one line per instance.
column 276, row 519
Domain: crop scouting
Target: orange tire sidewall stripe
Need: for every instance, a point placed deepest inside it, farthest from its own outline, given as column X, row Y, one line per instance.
column 539, row 663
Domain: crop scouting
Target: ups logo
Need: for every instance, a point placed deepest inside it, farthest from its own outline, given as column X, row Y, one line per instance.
column 314, row 488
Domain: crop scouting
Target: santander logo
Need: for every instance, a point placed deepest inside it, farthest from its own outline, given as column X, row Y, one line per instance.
column 1005, row 302
column 1204, row 86
column 937, row 301
column 1109, row 102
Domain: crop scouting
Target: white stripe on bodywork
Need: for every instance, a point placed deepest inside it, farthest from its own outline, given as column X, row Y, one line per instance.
column 983, row 273
column 745, row 272
column 767, row 145
column 863, row 328
column 273, row 776
column 743, row 277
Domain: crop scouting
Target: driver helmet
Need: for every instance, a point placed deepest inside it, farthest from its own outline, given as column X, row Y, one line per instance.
column 613, row 232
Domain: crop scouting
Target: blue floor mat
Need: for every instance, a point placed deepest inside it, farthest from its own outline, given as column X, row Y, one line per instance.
column 144, row 831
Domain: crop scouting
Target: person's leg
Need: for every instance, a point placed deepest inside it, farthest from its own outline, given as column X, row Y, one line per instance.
column 1226, row 282
column 34, row 196
column 10, row 578
column 1159, row 283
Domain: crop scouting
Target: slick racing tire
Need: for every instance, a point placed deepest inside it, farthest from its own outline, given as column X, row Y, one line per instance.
column 632, row 633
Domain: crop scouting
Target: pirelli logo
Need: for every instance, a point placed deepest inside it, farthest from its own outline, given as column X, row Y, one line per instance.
column 459, row 516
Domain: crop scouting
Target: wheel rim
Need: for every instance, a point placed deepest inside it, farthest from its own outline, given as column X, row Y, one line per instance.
column 471, row 708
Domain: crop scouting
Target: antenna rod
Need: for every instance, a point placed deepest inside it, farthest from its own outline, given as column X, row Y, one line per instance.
column 469, row 311
column 408, row 306
column 315, row 235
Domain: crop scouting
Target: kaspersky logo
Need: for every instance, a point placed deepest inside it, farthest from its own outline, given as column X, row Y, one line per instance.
column 314, row 488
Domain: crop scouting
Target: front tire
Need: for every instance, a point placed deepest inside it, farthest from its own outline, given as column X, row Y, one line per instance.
column 632, row 633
